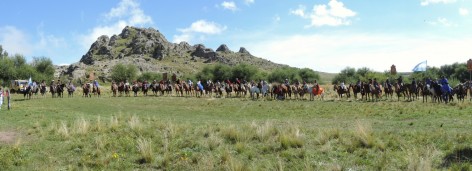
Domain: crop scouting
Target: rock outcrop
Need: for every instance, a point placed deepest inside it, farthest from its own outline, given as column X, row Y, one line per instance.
column 149, row 51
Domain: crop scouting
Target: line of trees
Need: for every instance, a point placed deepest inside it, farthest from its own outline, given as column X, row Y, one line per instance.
column 456, row 73
column 13, row 67
column 220, row 72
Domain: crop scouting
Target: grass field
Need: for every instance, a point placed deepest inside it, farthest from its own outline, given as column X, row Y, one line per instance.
column 174, row 133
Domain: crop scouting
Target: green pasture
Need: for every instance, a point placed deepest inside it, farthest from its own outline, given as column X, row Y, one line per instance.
column 179, row 133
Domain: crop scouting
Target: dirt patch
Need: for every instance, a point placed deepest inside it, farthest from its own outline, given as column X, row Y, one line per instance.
column 8, row 137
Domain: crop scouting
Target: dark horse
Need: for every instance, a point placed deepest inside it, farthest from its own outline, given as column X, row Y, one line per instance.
column 342, row 91
column 28, row 92
column 86, row 90
column 53, row 90
column 60, row 90
column 355, row 89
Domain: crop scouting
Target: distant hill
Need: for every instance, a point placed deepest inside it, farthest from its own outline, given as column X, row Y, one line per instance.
column 150, row 51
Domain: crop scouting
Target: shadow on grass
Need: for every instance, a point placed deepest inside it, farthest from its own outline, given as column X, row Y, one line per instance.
column 458, row 156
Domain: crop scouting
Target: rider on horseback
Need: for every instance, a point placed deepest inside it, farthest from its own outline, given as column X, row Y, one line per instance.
column 400, row 81
column 387, row 82
column 287, row 83
column 343, row 86
column 237, row 81
column 376, row 84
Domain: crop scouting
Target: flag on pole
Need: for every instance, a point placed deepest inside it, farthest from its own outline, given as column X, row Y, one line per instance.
column 421, row 66
column 30, row 81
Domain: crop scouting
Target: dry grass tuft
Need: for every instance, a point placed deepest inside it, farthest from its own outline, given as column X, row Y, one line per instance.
column 291, row 139
column 63, row 130
column 81, row 126
column 134, row 123
column 363, row 135
column 145, row 149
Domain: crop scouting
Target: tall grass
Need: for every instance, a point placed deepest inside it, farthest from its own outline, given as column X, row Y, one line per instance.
column 81, row 126
column 145, row 149
column 63, row 130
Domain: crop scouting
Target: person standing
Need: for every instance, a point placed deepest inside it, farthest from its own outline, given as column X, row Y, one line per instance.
column 1, row 97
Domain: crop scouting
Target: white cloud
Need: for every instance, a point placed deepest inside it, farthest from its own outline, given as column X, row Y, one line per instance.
column 442, row 22
column 248, row 2
column 463, row 11
column 428, row 2
column 15, row 41
column 334, row 52
column 201, row 28
column 300, row 11
column 126, row 13
column 333, row 14
column 229, row 5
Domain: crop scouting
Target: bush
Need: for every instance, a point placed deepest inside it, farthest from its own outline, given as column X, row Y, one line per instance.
column 122, row 72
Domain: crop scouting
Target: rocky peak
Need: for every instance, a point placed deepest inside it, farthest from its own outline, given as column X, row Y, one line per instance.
column 223, row 48
column 243, row 50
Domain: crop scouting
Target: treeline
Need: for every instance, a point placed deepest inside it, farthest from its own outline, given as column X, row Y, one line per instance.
column 456, row 73
column 14, row 67
column 246, row 72
column 220, row 72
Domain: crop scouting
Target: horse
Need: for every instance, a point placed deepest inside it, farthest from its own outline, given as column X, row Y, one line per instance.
column 86, row 90
column 315, row 91
column 209, row 87
column 341, row 91
column 123, row 88
column 424, row 91
column 388, row 89
column 60, row 90
column 114, row 89
column 42, row 89
column 52, row 89
column 376, row 91
column 70, row 90
column 400, row 90
column 96, row 90
column 286, row 90
column 240, row 90
column 188, row 89
column 365, row 91
column 219, row 90
column 178, row 89
column 228, row 89
column 460, row 92
column 198, row 90
column 435, row 90
column 145, row 88
column 254, row 92
column 413, row 92
column 356, row 89
column 27, row 93
column 135, row 88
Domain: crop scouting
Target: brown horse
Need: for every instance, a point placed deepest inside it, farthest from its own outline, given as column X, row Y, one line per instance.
column 52, row 89
column 145, row 88
column 188, row 89
column 96, row 91
column 123, row 88
column 376, row 92
column 114, row 89
column 135, row 87
column 286, row 90
column 86, row 90
column 179, row 89
column 400, row 90
column 365, row 91
column 228, row 89
column 355, row 89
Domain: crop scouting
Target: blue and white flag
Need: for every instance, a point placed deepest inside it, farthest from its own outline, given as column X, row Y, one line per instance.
column 421, row 66
column 30, row 81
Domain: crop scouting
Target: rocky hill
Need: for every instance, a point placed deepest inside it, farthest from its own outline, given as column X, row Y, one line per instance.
column 150, row 51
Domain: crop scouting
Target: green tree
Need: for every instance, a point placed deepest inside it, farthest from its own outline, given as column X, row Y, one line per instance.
column 221, row 72
column 43, row 65
column 150, row 76
column 244, row 72
column 308, row 75
column 121, row 72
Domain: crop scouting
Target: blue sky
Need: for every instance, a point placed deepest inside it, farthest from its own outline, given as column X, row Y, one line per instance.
column 324, row 35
